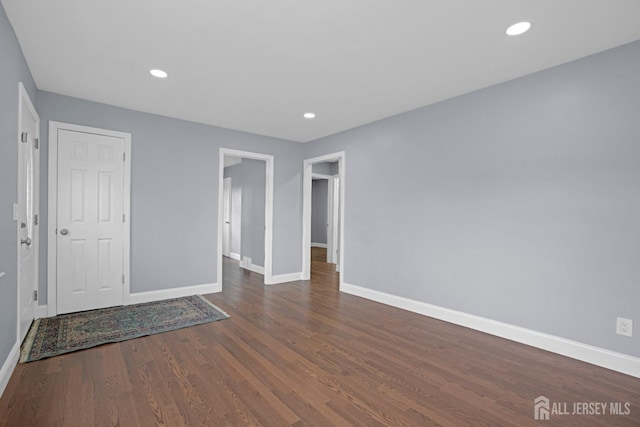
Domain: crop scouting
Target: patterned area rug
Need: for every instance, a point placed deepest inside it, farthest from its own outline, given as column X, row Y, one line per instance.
column 53, row 336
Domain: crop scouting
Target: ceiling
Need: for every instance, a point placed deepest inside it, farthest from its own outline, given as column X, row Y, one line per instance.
column 257, row 65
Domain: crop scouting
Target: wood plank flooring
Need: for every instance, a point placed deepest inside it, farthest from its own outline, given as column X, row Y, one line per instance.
column 304, row 354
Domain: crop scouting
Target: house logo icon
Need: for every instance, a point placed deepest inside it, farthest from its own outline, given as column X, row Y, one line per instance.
column 541, row 408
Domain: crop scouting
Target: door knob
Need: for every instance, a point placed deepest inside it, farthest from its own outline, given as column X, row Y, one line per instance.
column 26, row 241
column 64, row 231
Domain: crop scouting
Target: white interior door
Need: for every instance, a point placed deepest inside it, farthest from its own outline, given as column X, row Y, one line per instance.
column 90, row 221
column 27, row 214
column 226, row 211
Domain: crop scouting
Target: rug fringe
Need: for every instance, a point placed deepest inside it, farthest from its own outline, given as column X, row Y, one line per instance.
column 214, row 306
column 25, row 349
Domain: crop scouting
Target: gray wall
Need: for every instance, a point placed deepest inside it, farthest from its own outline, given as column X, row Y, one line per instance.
column 248, row 180
column 519, row 202
column 319, row 199
column 174, row 193
column 13, row 69
column 319, row 195
column 253, row 200
column 235, row 208
column 325, row 168
column 321, row 168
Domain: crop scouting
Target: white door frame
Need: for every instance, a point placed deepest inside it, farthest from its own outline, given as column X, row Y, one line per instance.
column 24, row 100
column 52, row 255
column 268, row 209
column 306, row 210
column 226, row 235
column 334, row 221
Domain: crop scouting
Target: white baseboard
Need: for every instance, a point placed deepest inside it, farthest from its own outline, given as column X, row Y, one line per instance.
column 235, row 256
column 42, row 311
column 284, row 278
column 619, row 362
column 318, row 245
column 140, row 297
column 8, row 366
column 255, row 268
column 247, row 263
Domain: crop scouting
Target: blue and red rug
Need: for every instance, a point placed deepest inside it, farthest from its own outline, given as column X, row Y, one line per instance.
column 62, row 334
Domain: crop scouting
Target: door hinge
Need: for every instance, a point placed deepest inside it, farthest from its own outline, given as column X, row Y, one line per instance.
column 35, row 295
column 123, row 218
column 35, row 220
column 124, row 156
column 123, row 279
column 24, row 137
column 36, row 143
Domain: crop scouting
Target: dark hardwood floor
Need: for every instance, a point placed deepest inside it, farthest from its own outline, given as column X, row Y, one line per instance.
column 304, row 354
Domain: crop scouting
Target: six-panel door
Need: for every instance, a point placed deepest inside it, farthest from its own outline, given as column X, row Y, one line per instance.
column 90, row 221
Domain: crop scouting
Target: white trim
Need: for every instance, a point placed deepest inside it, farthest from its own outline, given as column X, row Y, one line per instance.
column 306, row 210
column 619, row 362
column 331, row 221
column 229, row 233
column 52, row 261
column 276, row 279
column 24, row 99
column 333, row 212
column 42, row 311
column 320, row 176
column 268, row 208
column 318, row 245
column 8, row 366
column 162, row 294
column 234, row 255
column 254, row 268
column 247, row 264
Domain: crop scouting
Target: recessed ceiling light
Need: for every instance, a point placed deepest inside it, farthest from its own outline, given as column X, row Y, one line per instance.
column 519, row 28
column 158, row 73
column 309, row 115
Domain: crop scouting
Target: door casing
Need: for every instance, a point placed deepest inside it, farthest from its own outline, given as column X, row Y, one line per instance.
column 52, row 209
column 226, row 227
column 333, row 236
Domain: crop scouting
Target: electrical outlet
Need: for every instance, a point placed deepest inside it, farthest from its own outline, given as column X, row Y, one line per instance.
column 624, row 327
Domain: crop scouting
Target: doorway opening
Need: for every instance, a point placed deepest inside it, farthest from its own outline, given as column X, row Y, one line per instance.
column 330, row 169
column 245, row 211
